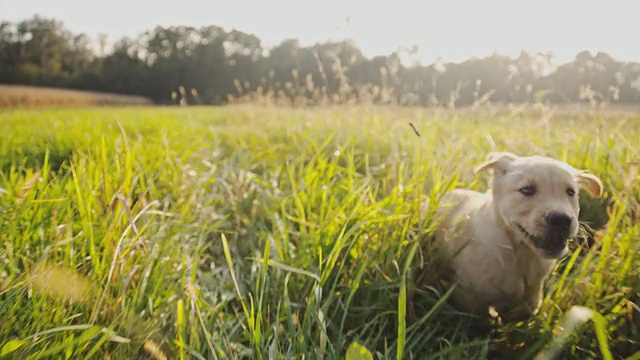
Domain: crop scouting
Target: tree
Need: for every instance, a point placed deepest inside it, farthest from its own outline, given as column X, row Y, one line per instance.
column 211, row 65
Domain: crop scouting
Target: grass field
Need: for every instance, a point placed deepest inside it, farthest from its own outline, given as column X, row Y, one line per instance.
column 271, row 233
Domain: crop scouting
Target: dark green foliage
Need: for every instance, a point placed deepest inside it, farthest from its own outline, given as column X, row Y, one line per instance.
column 210, row 65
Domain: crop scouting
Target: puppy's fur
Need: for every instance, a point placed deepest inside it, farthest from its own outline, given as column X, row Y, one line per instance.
column 503, row 244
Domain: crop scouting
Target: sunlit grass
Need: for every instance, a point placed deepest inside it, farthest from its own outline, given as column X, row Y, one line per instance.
column 266, row 233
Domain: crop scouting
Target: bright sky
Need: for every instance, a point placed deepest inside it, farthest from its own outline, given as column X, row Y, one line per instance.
column 452, row 29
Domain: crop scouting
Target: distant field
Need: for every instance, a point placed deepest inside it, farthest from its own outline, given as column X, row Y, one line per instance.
column 270, row 233
column 31, row 96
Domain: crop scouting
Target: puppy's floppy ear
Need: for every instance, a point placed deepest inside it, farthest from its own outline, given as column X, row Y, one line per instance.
column 496, row 161
column 591, row 183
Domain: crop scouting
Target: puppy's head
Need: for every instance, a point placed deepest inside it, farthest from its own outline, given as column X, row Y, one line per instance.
column 537, row 198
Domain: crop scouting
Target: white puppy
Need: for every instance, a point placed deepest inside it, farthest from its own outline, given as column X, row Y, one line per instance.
column 503, row 244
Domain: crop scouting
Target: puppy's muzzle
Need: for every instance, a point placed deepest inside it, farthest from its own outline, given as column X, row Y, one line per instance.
column 558, row 222
column 552, row 242
column 558, row 228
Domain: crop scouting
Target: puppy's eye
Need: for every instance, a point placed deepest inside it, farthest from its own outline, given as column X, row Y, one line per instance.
column 528, row 190
column 571, row 192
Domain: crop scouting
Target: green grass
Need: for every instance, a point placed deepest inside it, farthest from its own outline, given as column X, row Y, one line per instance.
column 265, row 233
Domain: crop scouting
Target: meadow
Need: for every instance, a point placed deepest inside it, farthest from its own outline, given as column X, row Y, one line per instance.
column 261, row 232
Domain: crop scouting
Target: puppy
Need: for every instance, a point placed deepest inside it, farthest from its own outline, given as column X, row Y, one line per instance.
column 503, row 244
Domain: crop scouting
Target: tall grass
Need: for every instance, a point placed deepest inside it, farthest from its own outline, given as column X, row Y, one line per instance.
column 271, row 233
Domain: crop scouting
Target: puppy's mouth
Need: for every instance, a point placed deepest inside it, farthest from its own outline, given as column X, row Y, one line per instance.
column 535, row 240
column 550, row 247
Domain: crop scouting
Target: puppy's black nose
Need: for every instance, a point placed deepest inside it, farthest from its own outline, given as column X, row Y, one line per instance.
column 558, row 220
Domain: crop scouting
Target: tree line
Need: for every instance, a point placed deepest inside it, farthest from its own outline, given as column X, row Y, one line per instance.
column 211, row 65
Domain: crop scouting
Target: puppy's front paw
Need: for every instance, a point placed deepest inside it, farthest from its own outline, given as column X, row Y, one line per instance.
column 516, row 314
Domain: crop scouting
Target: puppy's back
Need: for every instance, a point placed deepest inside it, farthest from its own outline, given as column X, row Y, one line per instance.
column 457, row 204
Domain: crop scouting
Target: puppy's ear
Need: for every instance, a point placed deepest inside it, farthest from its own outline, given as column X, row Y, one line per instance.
column 590, row 183
column 496, row 161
